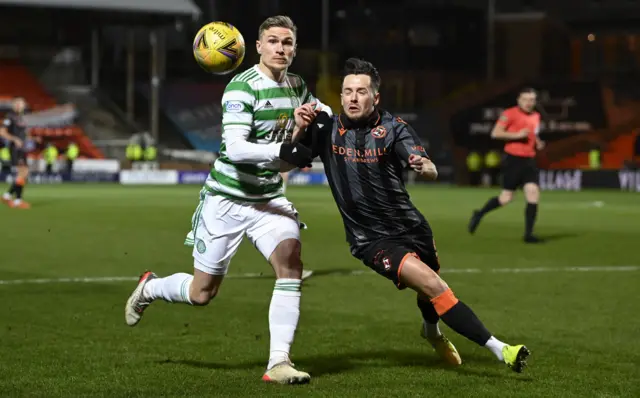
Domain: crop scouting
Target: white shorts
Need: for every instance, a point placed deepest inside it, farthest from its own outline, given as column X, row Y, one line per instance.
column 219, row 225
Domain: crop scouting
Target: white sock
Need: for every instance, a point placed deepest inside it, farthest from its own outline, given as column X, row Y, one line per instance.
column 284, row 313
column 6, row 196
column 495, row 346
column 174, row 288
column 17, row 201
column 432, row 329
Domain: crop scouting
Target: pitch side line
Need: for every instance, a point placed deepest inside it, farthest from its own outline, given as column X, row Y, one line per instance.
column 309, row 273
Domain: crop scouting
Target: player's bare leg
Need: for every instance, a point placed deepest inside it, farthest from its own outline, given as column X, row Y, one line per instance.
column 505, row 197
column 197, row 289
column 532, row 196
column 17, row 189
column 284, row 313
column 285, row 182
column 453, row 312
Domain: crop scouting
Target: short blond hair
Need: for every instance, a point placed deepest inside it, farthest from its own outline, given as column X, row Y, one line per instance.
column 279, row 21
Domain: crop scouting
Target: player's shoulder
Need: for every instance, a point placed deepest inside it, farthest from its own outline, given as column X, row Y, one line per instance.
column 395, row 122
column 511, row 112
column 295, row 80
column 244, row 81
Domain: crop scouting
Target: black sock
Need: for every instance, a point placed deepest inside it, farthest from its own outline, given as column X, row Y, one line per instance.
column 491, row 204
column 18, row 191
column 12, row 189
column 429, row 313
column 530, row 218
column 462, row 319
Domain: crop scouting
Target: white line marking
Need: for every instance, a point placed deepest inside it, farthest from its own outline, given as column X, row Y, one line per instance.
column 306, row 274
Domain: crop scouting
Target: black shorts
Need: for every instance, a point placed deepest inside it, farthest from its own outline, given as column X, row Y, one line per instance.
column 18, row 157
column 517, row 171
column 387, row 256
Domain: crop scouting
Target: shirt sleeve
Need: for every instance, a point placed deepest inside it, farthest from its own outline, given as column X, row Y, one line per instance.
column 238, row 101
column 407, row 143
column 505, row 119
column 237, row 106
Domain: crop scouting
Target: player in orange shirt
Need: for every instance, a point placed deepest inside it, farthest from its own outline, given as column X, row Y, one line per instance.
column 519, row 127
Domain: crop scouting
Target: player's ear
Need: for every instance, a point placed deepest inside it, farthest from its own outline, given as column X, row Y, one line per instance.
column 258, row 47
column 376, row 98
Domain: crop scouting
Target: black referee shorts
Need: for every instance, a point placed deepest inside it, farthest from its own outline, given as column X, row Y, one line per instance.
column 518, row 171
column 387, row 256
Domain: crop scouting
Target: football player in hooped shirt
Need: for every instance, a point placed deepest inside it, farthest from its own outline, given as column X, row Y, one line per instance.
column 365, row 150
column 519, row 127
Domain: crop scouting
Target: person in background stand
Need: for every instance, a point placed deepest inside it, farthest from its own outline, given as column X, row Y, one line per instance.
column 72, row 154
column 50, row 155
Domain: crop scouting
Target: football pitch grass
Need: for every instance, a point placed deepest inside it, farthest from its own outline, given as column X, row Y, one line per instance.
column 573, row 301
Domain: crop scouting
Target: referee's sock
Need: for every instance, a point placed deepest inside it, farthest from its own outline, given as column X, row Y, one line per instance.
column 491, row 204
column 530, row 218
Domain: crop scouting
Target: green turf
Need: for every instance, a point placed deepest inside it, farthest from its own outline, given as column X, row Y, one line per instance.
column 358, row 336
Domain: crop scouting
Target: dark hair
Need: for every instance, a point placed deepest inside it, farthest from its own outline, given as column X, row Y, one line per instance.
column 528, row 90
column 279, row 21
column 355, row 66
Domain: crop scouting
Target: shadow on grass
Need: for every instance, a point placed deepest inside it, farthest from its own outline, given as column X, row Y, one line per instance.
column 321, row 365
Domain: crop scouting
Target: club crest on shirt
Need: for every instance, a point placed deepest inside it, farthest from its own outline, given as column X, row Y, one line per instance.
column 283, row 120
column 379, row 132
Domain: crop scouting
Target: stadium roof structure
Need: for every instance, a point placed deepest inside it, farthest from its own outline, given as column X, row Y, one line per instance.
column 184, row 8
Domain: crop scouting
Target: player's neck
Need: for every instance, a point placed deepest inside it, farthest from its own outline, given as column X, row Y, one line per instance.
column 524, row 111
column 276, row 76
column 370, row 119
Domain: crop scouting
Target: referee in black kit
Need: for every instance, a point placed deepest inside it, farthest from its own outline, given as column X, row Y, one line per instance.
column 365, row 150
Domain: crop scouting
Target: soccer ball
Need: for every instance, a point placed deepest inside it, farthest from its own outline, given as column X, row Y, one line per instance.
column 219, row 48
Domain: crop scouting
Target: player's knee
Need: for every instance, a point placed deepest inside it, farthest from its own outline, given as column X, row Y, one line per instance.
column 421, row 278
column 505, row 197
column 532, row 193
column 286, row 259
column 204, row 287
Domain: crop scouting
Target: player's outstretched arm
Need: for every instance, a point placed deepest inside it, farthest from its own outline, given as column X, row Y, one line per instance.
column 239, row 150
column 238, row 102
column 423, row 166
